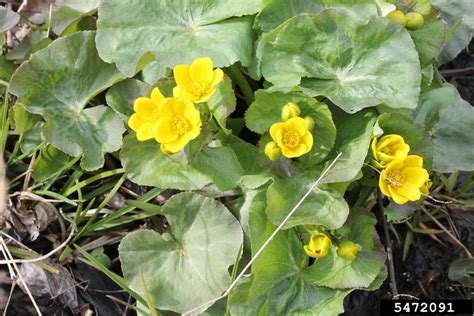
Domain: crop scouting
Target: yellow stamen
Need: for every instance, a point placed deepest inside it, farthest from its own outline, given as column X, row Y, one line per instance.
column 291, row 139
column 180, row 125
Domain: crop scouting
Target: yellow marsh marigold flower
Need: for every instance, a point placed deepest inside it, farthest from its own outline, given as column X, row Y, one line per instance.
column 272, row 151
column 197, row 81
column 290, row 110
column 292, row 136
column 425, row 189
column 318, row 246
column 388, row 148
column 348, row 250
column 179, row 122
column 403, row 180
column 146, row 114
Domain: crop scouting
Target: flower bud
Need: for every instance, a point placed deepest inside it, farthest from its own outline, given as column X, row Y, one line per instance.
column 348, row 250
column 309, row 122
column 414, row 21
column 318, row 246
column 290, row 110
column 272, row 151
column 397, row 16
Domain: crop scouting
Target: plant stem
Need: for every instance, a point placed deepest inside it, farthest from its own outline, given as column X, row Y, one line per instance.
column 236, row 75
column 388, row 242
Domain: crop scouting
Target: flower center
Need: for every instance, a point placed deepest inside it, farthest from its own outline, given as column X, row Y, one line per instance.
column 291, row 139
column 387, row 151
column 396, row 178
column 199, row 87
column 180, row 125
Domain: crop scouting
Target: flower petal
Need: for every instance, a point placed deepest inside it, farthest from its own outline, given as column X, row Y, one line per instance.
column 167, row 108
column 145, row 131
column 218, row 76
column 144, row 107
column 416, row 176
column 163, row 131
column 180, row 92
column 409, row 191
column 298, row 124
column 383, row 184
column 193, row 133
column 201, row 70
column 396, row 197
column 135, row 122
column 413, row 161
column 373, row 146
column 182, row 76
column 176, row 145
column 276, row 131
column 293, row 153
column 308, row 141
column 157, row 96
column 181, row 105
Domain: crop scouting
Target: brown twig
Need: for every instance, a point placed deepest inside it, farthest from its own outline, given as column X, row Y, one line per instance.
column 446, row 231
column 388, row 246
column 455, row 72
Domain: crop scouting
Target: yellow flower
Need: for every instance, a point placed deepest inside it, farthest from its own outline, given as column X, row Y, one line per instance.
column 388, row 148
column 146, row 114
column 179, row 122
column 348, row 250
column 293, row 137
column 403, row 180
column 290, row 110
column 318, row 246
column 197, row 81
column 272, row 151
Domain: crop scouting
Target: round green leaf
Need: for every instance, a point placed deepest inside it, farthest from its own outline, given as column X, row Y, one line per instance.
column 266, row 110
column 322, row 207
column 276, row 12
column 354, row 64
column 57, row 83
column 188, row 267
column 175, row 32
column 71, row 11
column 145, row 164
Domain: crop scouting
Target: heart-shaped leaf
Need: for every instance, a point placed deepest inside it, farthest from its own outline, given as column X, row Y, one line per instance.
column 189, row 266
column 58, row 82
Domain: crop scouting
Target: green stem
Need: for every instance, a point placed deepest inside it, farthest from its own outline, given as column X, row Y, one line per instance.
column 236, row 75
column 4, row 83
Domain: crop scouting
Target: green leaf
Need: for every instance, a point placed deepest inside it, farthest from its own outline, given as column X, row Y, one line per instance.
column 354, row 133
column 335, row 272
column 221, row 164
column 459, row 16
column 7, row 68
column 58, row 83
column 322, row 206
column 121, row 96
column 462, row 270
column 175, row 32
column 354, row 64
column 8, row 19
column 453, row 139
column 23, row 120
column 276, row 12
column 145, row 164
column 71, row 11
column 413, row 134
column 278, row 285
column 431, row 103
column 190, row 266
column 153, row 72
column 222, row 103
column 266, row 110
column 49, row 163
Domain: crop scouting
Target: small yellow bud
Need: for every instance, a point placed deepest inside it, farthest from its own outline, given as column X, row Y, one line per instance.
column 272, row 151
column 318, row 246
column 309, row 122
column 290, row 110
column 348, row 250
column 397, row 16
column 415, row 21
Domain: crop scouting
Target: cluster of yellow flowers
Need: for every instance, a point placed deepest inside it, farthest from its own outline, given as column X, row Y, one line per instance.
column 174, row 122
column 403, row 177
column 292, row 137
column 319, row 246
